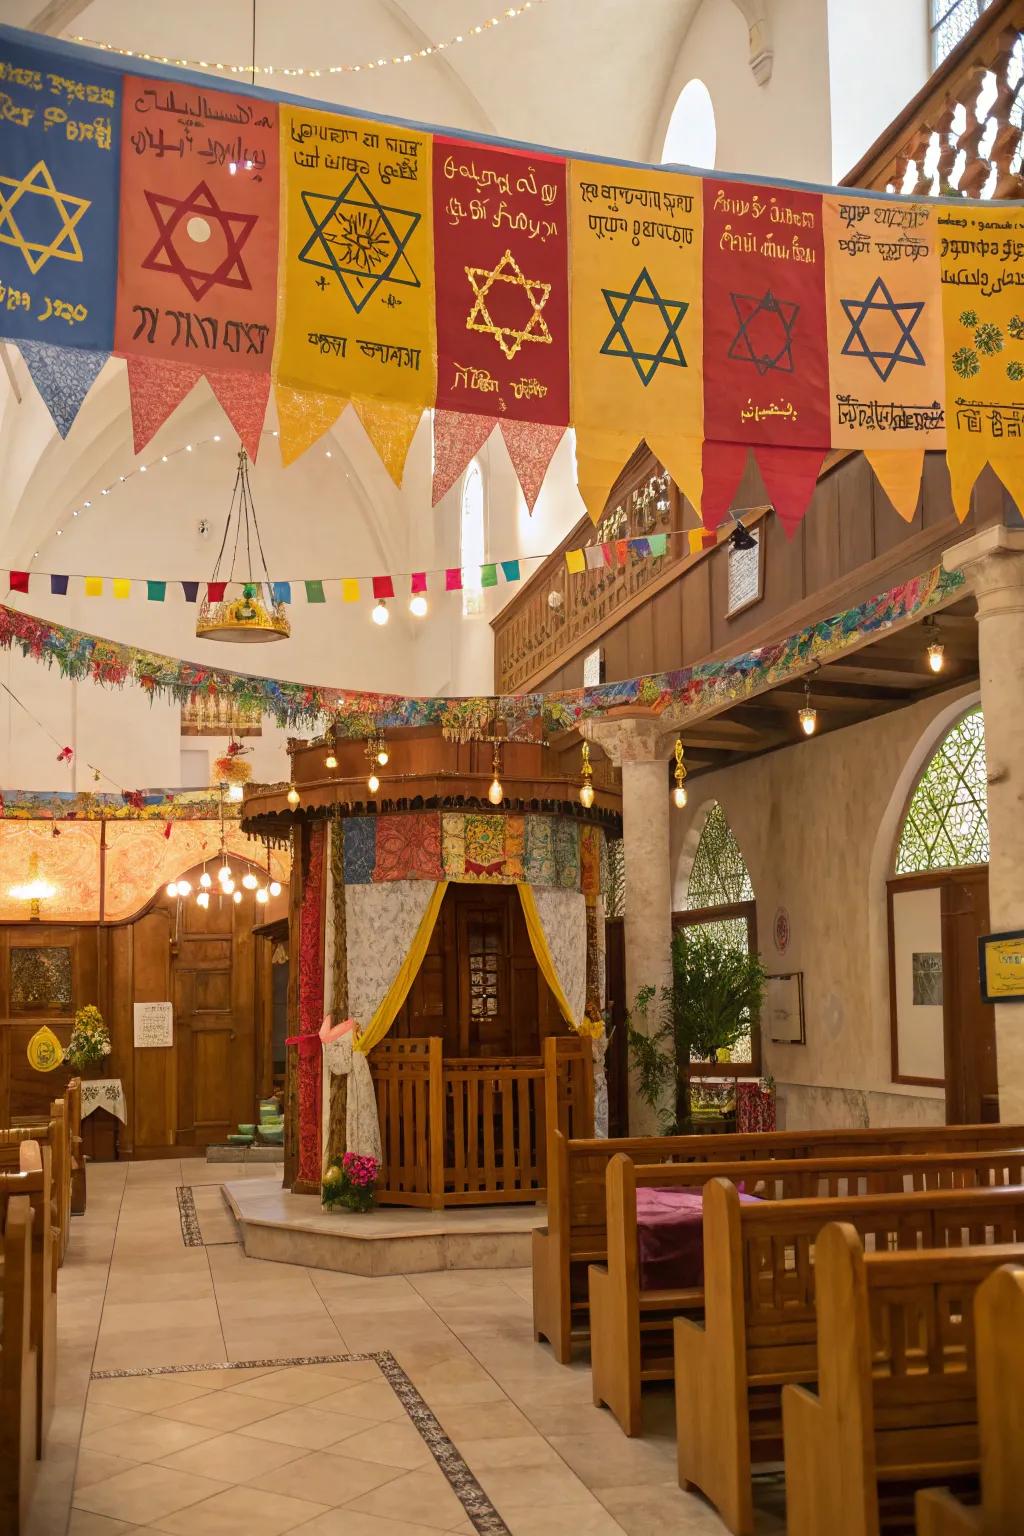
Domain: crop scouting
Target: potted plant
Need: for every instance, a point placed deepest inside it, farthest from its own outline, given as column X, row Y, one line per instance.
column 716, row 995
column 350, row 1181
column 89, row 1045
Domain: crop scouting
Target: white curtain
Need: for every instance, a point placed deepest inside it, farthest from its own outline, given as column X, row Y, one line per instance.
column 563, row 916
column 362, row 1131
column 381, row 922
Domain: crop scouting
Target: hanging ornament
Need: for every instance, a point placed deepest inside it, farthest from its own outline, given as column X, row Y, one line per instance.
column 586, row 775
column 496, row 793
column 255, row 616
column 679, row 774
column 808, row 715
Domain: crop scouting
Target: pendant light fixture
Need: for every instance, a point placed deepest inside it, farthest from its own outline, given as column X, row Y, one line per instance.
column 679, row 774
column 936, row 651
column 254, row 616
column 586, row 776
column 496, row 793
column 808, row 715
column 293, row 797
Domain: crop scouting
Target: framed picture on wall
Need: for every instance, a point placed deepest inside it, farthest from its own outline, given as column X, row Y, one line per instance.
column 783, row 1013
column 41, row 978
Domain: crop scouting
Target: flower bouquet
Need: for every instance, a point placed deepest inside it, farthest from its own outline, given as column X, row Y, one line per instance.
column 89, row 1045
column 350, row 1181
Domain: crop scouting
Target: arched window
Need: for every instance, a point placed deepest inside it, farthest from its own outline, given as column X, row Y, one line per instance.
column 691, row 136
column 471, row 549
column 720, row 899
column 946, row 825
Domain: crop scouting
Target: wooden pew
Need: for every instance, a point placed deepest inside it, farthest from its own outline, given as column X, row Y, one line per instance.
column 759, row 1330
column 18, row 1372
column 575, row 1234
column 631, row 1340
column 49, row 1133
column 33, row 1179
column 999, row 1367
column 896, row 1399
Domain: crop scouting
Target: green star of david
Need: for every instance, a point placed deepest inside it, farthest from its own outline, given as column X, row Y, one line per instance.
column 618, row 343
column 360, row 239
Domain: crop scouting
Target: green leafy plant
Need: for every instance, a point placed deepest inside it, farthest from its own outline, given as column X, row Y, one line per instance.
column 716, row 995
column 90, row 1039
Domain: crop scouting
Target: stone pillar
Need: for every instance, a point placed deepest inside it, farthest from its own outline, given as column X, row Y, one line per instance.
column 993, row 563
column 638, row 747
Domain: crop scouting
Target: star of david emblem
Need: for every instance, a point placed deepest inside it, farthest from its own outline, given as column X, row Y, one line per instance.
column 360, row 239
column 765, row 335
column 38, row 220
column 491, row 286
column 893, row 342
column 656, row 322
column 186, row 252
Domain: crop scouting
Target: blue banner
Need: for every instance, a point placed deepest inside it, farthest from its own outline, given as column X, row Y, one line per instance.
column 60, row 130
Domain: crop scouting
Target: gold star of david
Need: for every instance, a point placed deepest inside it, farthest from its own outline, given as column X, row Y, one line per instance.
column 509, row 337
column 64, row 241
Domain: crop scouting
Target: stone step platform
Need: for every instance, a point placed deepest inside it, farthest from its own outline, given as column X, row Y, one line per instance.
column 264, row 1153
column 293, row 1229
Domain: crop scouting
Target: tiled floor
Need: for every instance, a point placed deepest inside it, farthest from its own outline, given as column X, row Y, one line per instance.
column 327, row 1449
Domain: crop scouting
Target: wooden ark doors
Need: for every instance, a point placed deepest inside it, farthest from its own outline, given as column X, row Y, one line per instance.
column 479, row 986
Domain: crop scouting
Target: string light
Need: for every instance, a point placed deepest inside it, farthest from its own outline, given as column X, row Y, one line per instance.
column 679, row 774
column 249, row 880
column 380, row 612
column 418, row 606
column 274, row 887
column 203, row 899
column 205, row 881
column 510, row 13
column 586, row 774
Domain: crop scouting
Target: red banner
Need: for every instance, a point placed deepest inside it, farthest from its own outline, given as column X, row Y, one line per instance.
column 197, row 276
column 765, row 337
column 501, row 263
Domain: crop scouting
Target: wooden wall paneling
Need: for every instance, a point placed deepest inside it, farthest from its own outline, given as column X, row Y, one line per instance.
column 856, row 531
column 667, row 612
column 820, row 534
column 616, row 653
column 639, row 629
column 696, row 613
column 120, row 945
column 155, row 1119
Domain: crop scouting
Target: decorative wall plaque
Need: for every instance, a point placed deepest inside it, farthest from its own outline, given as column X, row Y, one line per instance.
column 746, row 576
column 154, row 1024
column 41, row 978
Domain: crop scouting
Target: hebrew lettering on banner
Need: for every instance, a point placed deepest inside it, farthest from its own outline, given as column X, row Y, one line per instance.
column 981, row 256
column 197, row 278
column 59, row 135
column 637, row 339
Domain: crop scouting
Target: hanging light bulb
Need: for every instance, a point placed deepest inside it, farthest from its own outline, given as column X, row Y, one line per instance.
column 261, row 896
column 228, row 887
column 936, row 656
column 184, row 888
column 373, row 783
column 203, row 899
column 586, row 774
column 172, row 889
column 249, row 880
column 418, row 606
column 808, row 715
column 380, row 613
column 274, row 887
column 330, row 761
column 224, row 873
column 235, row 792
column 292, row 796
column 496, row 794
column 236, row 898
column 205, row 881
column 383, row 755
column 679, row 774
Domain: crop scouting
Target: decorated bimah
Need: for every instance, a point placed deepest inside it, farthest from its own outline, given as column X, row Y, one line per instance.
column 447, row 930
column 263, row 241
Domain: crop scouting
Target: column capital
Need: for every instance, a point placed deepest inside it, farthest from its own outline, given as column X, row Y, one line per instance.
column 629, row 738
column 993, row 563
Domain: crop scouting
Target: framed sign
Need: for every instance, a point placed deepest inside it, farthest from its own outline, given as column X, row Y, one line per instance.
column 746, row 575
column 783, row 1012
column 154, row 1024
column 593, row 668
column 1001, row 967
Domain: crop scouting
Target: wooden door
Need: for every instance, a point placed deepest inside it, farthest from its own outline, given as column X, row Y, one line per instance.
column 972, row 1091
column 486, row 1026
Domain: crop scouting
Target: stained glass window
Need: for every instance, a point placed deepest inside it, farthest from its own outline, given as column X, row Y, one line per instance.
column 947, row 822
column 951, row 22
column 719, row 875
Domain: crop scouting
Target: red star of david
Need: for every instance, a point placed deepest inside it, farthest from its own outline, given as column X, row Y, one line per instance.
column 199, row 241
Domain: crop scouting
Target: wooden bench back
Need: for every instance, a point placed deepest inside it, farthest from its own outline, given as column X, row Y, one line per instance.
column 17, row 1366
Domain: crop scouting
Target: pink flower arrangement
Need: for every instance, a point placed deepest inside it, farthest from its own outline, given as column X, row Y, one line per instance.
column 350, row 1181
column 361, row 1171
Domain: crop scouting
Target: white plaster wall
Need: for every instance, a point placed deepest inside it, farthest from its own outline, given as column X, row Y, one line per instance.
column 878, row 59
column 816, row 823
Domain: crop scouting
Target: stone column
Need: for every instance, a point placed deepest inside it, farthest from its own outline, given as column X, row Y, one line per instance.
column 638, row 747
column 993, row 563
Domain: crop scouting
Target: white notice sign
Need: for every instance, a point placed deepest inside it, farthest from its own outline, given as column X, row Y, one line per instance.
column 154, row 1024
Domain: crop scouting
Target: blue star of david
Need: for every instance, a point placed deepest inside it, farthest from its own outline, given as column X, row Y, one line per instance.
column 360, row 239
column 880, row 301
column 618, row 344
column 765, row 335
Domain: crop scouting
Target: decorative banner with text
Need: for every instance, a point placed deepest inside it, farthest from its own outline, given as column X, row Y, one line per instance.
column 637, row 335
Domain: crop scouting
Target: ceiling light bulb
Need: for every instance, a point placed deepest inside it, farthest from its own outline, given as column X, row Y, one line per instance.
column 228, row 887
column 249, row 880
column 172, row 889
column 418, row 606
column 373, row 783
column 184, row 888
column 380, row 613
column 936, row 657
column 203, row 899
column 224, row 873
column 261, row 896
column 205, row 881
column 808, row 717
column 586, row 795
column 495, row 794
column 292, row 797
column 274, row 887
column 235, row 792
column 679, row 796
column 237, row 897
column 383, row 757
column 330, row 761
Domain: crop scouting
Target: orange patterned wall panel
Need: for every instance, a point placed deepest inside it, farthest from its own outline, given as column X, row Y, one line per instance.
column 70, row 861
column 140, row 859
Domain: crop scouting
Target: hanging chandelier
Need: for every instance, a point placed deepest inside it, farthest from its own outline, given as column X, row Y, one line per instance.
column 254, row 615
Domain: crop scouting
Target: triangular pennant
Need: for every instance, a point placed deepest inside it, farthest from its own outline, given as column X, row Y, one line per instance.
column 391, row 427
column 898, row 471
column 682, row 457
column 790, row 475
column 1010, row 469
column 156, row 389
column 600, row 459
column 458, row 435
column 722, row 466
column 243, row 398
column 965, row 463
column 63, row 376
column 531, row 446
column 303, row 416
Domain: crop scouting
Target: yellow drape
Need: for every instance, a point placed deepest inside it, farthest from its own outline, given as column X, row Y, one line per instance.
column 542, row 954
column 398, row 991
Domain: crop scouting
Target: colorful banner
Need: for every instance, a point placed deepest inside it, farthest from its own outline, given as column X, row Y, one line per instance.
column 885, row 336
column 357, row 312
column 59, row 132
column 981, row 252
column 637, row 333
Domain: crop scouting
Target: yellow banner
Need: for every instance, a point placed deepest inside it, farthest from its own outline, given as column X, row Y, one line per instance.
column 981, row 254
column 356, row 315
column 637, row 323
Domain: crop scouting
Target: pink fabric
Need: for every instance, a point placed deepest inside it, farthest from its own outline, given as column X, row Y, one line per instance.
column 329, row 1031
column 670, row 1237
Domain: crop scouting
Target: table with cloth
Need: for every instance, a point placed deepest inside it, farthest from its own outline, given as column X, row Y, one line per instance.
column 670, row 1237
